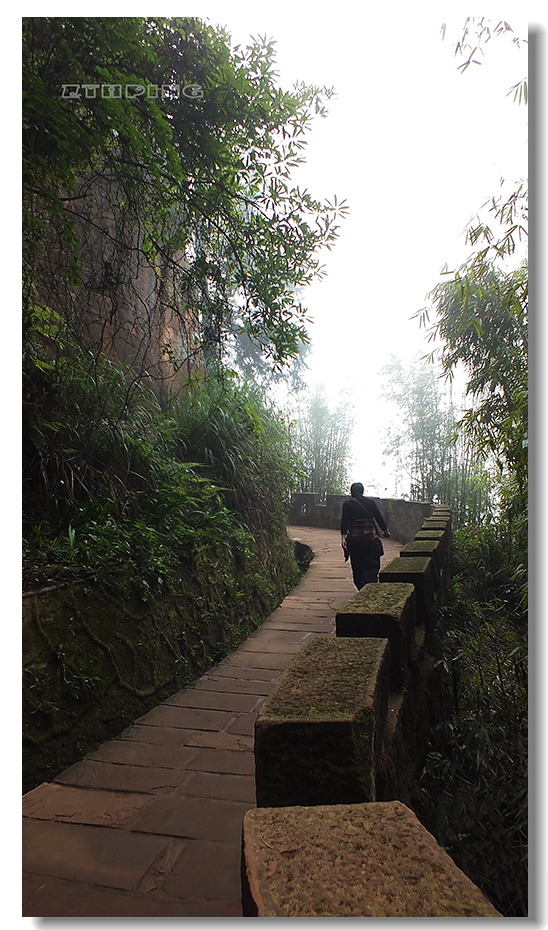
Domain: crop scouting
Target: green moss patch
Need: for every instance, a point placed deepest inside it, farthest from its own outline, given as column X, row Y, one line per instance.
column 383, row 611
column 329, row 679
column 416, row 566
column 379, row 599
column 96, row 656
column 318, row 738
column 359, row 860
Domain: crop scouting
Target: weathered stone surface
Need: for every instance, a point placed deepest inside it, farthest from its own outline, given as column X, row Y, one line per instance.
column 418, row 571
column 441, row 555
column 303, row 554
column 113, row 858
column 430, row 534
column 403, row 517
column 404, row 746
column 190, row 817
column 351, row 860
column 384, row 611
column 135, row 779
column 421, row 547
column 80, row 805
column 443, row 524
column 442, row 536
column 318, row 737
column 214, row 700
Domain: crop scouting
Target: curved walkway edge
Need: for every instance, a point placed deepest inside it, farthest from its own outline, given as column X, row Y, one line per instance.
column 150, row 824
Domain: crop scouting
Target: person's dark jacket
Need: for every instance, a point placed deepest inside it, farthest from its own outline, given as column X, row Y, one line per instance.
column 353, row 509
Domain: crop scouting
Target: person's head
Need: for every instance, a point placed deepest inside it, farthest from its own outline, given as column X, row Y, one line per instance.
column 356, row 489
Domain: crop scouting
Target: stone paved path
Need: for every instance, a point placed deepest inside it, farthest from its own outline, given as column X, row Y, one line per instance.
column 149, row 825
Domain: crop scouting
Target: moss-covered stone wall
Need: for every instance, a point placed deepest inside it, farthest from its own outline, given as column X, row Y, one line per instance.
column 402, row 613
column 308, row 770
column 96, row 655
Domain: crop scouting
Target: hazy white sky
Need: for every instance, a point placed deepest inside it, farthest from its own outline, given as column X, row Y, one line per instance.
column 415, row 148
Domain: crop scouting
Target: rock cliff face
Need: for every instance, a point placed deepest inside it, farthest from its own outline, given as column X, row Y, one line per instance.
column 129, row 300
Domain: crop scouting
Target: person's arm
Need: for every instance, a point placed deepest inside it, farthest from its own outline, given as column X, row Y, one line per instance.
column 345, row 523
column 380, row 520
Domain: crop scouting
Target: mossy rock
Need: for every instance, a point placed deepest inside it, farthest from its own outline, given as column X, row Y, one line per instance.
column 318, row 737
column 303, row 555
column 420, row 572
column 383, row 611
column 351, row 860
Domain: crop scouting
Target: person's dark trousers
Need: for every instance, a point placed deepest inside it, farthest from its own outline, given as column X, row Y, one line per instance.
column 365, row 566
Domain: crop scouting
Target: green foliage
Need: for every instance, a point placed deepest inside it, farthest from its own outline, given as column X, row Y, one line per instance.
column 427, row 446
column 246, row 355
column 421, row 437
column 476, row 33
column 474, row 783
column 148, row 571
column 111, row 481
column 241, row 440
column 481, row 315
column 190, row 193
column 320, row 442
column 157, row 228
column 482, row 324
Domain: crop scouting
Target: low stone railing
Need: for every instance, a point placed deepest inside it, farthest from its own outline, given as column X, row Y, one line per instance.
column 404, row 518
column 337, row 746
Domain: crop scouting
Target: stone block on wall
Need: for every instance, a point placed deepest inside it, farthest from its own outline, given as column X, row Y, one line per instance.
column 404, row 748
column 351, row 860
column 444, row 537
column 385, row 611
column 422, row 547
column 318, row 737
column 334, row 504
column 436, row 523
column 420, row 572
column 404, row 518
column 429, row 533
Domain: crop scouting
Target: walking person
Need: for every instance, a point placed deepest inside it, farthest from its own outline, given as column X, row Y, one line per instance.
column 360, row 538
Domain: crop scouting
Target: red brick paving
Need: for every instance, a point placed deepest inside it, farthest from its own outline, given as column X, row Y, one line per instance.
column 150, row 824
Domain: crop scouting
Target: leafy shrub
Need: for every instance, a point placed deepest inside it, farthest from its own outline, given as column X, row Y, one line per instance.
column 111, row 480
column 474, row 783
